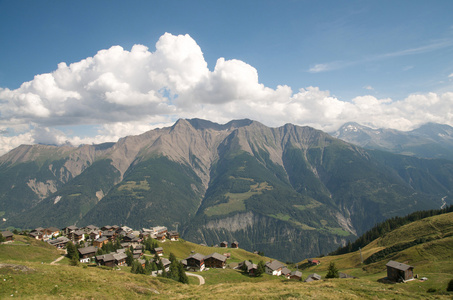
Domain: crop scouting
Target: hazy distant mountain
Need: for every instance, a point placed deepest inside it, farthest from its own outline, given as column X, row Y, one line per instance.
column 429, row 141
column 291, row 191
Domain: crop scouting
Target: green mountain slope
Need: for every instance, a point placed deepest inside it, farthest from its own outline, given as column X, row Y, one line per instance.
column 291, row 191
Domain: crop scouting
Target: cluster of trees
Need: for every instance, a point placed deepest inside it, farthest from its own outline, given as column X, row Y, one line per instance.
column 387, row 226
column 259, row 271
column 380, row 255
column 175, row 272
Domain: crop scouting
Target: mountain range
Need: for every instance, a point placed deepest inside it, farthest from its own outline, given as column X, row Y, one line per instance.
column 430, row 140
column 291, row 192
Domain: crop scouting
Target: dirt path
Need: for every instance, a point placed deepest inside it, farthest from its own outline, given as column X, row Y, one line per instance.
column 57, row 260
column 198, row 276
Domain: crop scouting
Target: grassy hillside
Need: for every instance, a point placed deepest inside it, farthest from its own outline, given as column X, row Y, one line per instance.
column 432, row 255
column 26, row 272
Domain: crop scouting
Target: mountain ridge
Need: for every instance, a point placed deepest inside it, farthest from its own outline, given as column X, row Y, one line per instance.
column 271, row 188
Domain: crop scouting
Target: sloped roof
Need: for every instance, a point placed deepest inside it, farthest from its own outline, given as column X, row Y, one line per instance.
column 274, row 265
column 119, row 256
column 399, row 266
column 87, row 250
column 286, row 271
column 60, row 240
column 296, row 273
column 101, row 239
column 105, row 257
column 312, row 277
column 7, row 233
column 196, row 256
column 216, row 256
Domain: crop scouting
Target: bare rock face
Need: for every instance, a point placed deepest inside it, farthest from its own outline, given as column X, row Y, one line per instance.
column 42, row 189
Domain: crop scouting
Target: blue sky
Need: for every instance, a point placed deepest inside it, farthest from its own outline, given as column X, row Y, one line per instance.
column 379, row 63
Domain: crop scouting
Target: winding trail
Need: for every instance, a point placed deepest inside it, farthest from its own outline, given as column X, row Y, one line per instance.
column 195, row 275
column 57, row 260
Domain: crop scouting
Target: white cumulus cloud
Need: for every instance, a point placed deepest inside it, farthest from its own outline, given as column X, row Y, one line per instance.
column 128, row 92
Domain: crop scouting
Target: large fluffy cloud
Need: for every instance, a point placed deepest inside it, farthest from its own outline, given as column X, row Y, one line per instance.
column 128, row 92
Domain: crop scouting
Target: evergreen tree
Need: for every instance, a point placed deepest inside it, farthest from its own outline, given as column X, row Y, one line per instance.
column 332, row 271
column 2, row 239
column 173, row 273
column 182, row 277
column 148, row 267
column 134, row 266
column 160, row 265
column 153, row 266
column 74, row 261
column 172, row 257
column 72, row 251
column 129, row 258
column 117, row 244
column 261, row 268
column 99, row 252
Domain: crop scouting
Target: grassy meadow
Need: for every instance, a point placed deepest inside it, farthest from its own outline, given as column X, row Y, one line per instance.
column 26, row 272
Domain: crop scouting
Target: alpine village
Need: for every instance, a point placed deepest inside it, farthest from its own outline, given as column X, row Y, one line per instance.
column 224, row 252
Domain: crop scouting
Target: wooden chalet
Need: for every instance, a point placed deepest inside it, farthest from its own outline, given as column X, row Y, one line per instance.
column 224, row 244
column 50, row 233
column 100, row 242
column 295, row 275
column 286, row 272
column 90, row 228
column 173, row 235
column 215, row 260
column 107, row 260
column 36, row 235
column 70, row 229
column 86, row 253
column 235, row 244
column 195, row 262
column 8, row 235
column 130, row 238
column 137, row 253
column 159, row 251
column 78, row 236
column 106, row 228
column 161, row 237
column 59, row 242
column 120, row 258
column 274, row 268
column 109, row 234
column 399, row 272
column 166, row 263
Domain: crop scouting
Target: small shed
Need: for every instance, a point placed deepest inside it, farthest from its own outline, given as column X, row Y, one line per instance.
column 235, row 244
column 224, row 244
column 313, row 277
column 399, row 272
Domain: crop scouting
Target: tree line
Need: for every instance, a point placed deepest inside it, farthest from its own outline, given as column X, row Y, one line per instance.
column 386, row 226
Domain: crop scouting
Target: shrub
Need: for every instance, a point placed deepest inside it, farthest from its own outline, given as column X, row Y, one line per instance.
column 450, row 286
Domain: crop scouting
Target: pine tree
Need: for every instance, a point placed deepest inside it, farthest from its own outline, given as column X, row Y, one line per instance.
column 2, row 239
column 332, row 271
column 261, row 268
column 182, row 277
column 129, row 258
column 173, row 273
column 72, row 251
